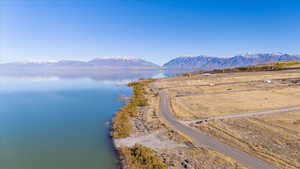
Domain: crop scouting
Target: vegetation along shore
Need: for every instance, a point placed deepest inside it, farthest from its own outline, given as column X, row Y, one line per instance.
column 145, row 141
column 138, row 156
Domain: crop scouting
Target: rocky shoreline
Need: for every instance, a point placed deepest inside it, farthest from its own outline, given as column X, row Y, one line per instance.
column 127, row 142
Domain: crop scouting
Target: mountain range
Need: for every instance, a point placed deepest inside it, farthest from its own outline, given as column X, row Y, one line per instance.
column 129, row 64
column 111, row 63
column 98, row 68
column 193, row 63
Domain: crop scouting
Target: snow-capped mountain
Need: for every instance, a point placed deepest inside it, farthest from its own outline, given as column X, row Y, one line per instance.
column 117, row 57
column 123, row 62
column 100, row 68
column 185, row 64
column 98, row 63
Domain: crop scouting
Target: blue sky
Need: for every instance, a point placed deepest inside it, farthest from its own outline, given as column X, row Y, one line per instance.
column 155, row 30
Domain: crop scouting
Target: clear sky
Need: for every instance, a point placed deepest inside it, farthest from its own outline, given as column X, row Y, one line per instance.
column 155, row 30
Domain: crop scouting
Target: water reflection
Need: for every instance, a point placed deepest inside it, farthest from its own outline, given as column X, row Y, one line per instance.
column 91, row 74
column 58, row 121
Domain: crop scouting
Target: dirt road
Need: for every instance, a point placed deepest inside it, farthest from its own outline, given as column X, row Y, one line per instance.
column 289, row 109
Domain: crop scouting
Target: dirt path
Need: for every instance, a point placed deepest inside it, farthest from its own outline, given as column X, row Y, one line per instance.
column 289, row 109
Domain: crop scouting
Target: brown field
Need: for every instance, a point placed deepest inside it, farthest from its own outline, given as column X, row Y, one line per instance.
column 199, row 80
column 231, row 93
column 214, row 104
column 200, row 158
column 273, row 137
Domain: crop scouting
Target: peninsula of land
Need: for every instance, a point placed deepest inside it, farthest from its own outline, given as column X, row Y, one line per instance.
column 247, row 117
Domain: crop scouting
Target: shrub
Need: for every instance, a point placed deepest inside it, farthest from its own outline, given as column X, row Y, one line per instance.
column 121, row 126
column 141, row 157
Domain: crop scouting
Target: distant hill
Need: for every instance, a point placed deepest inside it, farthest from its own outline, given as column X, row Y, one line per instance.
column 96, row 68
column 123, row 62
column 193, row 63
column 109, row 63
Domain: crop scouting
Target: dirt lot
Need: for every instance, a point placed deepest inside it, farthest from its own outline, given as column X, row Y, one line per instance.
column 273, row 137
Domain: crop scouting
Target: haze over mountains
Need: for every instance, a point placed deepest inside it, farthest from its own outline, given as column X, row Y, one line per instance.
column 110, row 63
column 98, row 68
column 123, row 65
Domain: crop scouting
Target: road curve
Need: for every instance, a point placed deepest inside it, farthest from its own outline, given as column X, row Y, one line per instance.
column 201, row 139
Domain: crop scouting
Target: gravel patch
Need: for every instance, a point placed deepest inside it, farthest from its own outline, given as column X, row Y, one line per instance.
column 152, row 140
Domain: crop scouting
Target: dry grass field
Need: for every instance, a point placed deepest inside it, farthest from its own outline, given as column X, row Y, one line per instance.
column 273, row 137
column 198, row 80
column 203, row 96
column 235, row 102
column 200, row 158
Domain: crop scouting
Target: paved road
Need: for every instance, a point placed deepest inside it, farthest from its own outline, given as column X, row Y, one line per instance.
column 201, row 139
column 289, row 109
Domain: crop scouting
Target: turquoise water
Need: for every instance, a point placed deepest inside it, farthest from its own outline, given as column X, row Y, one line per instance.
column 52, row 123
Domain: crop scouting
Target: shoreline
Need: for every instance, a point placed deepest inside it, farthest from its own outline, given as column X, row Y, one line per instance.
column 115, row 150
column 122, row 127
column 119, row 156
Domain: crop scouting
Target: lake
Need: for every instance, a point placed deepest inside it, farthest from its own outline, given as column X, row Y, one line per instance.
column 56, row 123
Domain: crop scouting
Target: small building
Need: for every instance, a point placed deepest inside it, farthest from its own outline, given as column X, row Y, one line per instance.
column 268, row 81
column 206, row 74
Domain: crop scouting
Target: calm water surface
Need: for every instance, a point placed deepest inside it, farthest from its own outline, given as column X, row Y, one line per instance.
column 51, row 123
